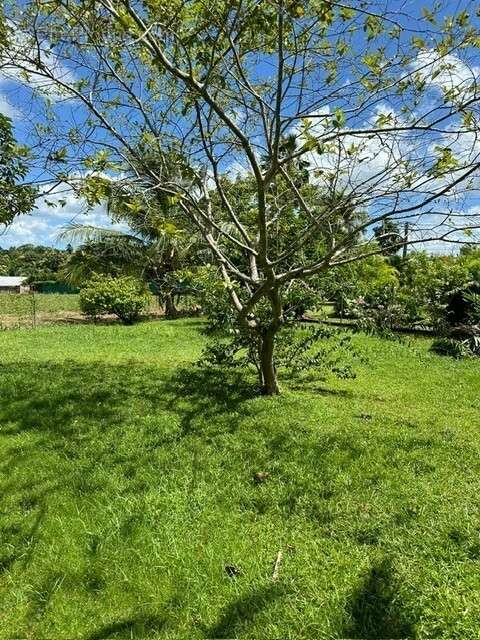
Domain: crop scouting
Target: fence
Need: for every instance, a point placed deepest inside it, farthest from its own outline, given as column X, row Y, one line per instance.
column 52, row 286
column 30, row 309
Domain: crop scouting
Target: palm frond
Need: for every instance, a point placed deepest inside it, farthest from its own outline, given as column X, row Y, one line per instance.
column 80, row 233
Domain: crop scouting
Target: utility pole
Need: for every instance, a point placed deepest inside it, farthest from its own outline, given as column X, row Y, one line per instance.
column 405, row 239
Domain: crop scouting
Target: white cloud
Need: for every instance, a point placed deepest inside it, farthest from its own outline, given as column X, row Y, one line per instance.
column 368, row 164
column 21, row 63
column 46, row 222
column 7, row 109
column 458, row 227
column 238, row 169
column 447, row 72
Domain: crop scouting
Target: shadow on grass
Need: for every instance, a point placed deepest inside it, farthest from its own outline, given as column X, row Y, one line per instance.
column 375, row 610
column 77, row 414
column 202, row 394
column 52, row 397
column 23, row 541
column 129, row 628
column 68, row 408
column 241, row 613
column 50, row 414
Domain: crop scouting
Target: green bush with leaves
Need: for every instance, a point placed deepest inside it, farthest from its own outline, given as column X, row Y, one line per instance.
column 299, row 347
column 212, row 295
column 125, row 296
column 455, row 348
column 428, row 284
column 300, row 297
column 366, row 278
column 380, row 313
column 423, row 291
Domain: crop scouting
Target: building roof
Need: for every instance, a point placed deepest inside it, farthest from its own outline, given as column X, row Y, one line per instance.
column 11, row 281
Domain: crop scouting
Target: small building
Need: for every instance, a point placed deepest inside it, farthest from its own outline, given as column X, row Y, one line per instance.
column 13, row 284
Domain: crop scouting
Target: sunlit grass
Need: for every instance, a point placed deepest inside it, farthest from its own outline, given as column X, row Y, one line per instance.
column 24, row 303
column 127, row 490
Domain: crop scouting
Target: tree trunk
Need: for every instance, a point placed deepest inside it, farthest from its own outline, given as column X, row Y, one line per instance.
column 268, row 374
column 170, row 308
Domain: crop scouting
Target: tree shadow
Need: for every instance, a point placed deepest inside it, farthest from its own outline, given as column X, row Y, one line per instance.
column 50, row 396
column 57, row 407
column 202, row 394
column 24, row 540
column 146, row 625
column 241, row 613
column 313, row 386
column 375, row 612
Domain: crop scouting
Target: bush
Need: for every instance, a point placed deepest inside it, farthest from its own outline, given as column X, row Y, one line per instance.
column 428, row 284
column 378, row 313
column 213, row 296
column 453, row 348
column 300, row 297
column 299, row 349
column 124, row 297
column 366, row 278
column 461, row 305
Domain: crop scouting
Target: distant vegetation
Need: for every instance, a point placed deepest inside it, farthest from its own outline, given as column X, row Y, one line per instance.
column 37, row 263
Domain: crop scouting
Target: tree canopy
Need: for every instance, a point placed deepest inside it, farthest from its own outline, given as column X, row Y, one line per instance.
column 15, row 198
column 34, row 262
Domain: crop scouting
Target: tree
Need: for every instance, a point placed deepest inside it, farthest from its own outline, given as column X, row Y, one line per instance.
column 34, row 262
column 153, row 249
column 15, row 198
column 388, row 237
column 376, row 104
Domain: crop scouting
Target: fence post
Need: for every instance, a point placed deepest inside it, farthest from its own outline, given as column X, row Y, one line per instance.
column 34, row 309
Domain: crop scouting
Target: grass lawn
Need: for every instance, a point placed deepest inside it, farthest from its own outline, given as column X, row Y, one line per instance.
column 128, row 500
column 21, row 304
column 26, row 310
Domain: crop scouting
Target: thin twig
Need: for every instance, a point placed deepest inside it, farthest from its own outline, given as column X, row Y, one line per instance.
column 276, row 568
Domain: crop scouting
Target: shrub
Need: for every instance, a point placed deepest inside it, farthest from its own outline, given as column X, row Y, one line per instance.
column 366, row 278
column 378, row 313
column 213, row 297
column 299, row 349
column 462, row 305
column 300, row 297
column 428, row 285
column 124, row 297
column 451, row 347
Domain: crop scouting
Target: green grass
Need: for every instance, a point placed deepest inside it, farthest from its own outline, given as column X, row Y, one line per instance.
column 126, row 489
column 27, row 310
column 22, row 304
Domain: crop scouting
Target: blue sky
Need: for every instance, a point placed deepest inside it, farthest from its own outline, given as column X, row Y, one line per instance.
column 44, row 224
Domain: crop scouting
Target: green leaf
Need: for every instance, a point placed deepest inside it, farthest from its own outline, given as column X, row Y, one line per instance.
column 418, row 43
column 462, row 19
column 373, row 27
column 59, row 155
column 445, row 162
column 467, row 119
column 428, row 15
column 347, row 13
column 339, row 118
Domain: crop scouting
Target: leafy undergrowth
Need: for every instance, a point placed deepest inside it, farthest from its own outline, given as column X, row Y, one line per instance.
column 129, row 509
